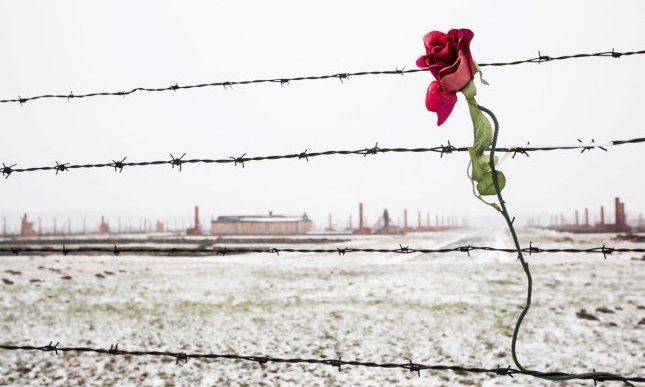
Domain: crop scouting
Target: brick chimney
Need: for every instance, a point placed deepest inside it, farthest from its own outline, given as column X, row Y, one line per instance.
column 405, row 219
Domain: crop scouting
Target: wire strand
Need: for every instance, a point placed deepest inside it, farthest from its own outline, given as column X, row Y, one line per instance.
column 6, row 248
column 173, row 161
column 180, row 356
column 340, row 76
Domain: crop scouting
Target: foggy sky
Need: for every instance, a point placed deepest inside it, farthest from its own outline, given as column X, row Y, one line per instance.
column 79, row 46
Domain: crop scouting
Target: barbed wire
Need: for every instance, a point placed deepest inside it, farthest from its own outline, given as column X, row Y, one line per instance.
column 411, row 366
column 306, row 155
column 340, row 76
column 179, row 251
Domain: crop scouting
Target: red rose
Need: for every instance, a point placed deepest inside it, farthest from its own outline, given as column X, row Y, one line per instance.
column 449, row 60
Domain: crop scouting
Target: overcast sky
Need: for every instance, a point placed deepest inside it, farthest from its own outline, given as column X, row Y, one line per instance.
column 81, row 46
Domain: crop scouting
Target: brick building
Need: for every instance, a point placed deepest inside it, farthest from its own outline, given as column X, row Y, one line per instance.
column 27, row 227
column 261, row 225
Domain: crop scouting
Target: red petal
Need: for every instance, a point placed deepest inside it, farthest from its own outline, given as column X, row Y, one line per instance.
column 433, row 38
column 446, row 53
column 422, row 61
column 435, row 69
column 457, row 76
column 440, row 102
column 462, row 37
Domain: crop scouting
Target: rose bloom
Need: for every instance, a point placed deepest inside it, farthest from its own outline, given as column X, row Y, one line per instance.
column 449, row 60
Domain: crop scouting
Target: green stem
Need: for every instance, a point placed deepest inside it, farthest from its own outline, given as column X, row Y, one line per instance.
column 509, row 222
column 525, row 266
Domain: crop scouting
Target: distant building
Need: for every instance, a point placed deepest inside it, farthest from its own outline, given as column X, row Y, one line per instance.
column 362, row 223
column 104, row 227
column 560, row 223
column 261, row 225
column 27, row 227
column 197, row 230
column 160, row 227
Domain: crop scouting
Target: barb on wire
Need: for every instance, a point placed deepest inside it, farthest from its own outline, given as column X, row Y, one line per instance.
column 371, row 151
column 340, row 76
column 175, row 161
column 179, row 161
column 61, row 167
column 521, row 150
column 118, row 165
column 335, row 363
column 10, row 248
column 7, row 169
column 591, row 147
column 447, row 149
column 239, row 160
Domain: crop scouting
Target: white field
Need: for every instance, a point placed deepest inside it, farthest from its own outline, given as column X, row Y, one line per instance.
column 432, row 309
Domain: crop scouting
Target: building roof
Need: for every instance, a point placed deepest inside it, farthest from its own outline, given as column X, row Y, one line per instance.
column 260, row 218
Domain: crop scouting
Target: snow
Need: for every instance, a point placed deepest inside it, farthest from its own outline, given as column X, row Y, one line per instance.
column 428, row 308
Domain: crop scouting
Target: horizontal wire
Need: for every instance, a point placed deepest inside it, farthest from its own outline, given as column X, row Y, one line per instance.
column 179, row 161
column 335, row 363
column 341, row 76
column 6, row 249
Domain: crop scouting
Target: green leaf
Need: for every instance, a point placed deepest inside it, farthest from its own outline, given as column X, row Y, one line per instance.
column 481, row 74
column 483, row 131
column 479, row 164
column 486, row 186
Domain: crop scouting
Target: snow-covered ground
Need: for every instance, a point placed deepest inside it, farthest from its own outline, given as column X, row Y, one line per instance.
column 448, row 309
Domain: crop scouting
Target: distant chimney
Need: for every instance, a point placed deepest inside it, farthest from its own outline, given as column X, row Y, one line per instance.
column 360, row 216
column 419, row 220
column 577, row 222
column 602, row 215
column 405, row 219
column 197, row 227
column 329, row 228
column 586, row 217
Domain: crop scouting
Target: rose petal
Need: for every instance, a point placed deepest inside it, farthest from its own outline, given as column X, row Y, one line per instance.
column 435, row 68
column 433, row 38
column 457, row 76
column 462, row 37
column 422, row 61
column 445, row 53
column 440, row 102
